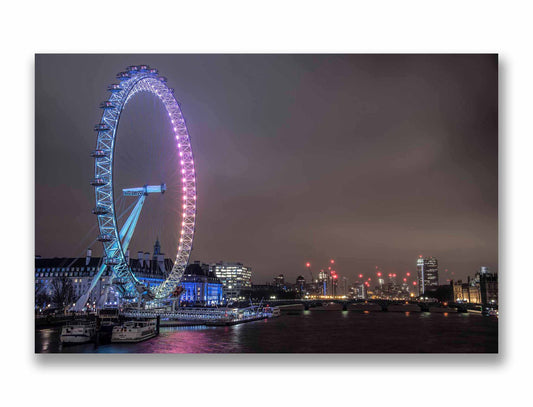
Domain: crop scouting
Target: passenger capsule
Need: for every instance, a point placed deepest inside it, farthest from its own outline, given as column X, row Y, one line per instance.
column 153, row 71
column 144, row 68
column 162, row 79
column 98, row 182
column 107, row 105
column 123, row 76
column 99, row 154
column 114, row 87
column 100, row 210
column 105, row 237
column 101, row 127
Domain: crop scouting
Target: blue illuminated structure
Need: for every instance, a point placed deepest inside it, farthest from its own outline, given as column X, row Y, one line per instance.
column 200, row 286
column 136, row 79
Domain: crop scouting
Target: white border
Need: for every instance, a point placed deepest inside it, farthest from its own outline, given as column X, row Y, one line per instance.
column 275, row 26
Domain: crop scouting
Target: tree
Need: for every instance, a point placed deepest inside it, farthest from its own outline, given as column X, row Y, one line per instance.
column 62, row 292
column 41, row 297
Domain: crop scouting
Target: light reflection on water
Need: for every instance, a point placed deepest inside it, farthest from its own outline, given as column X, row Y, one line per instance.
column 316, row 332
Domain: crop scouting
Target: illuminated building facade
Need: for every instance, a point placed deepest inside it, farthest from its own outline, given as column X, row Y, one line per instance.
column 488, row 285
column 359, row 291
column 200, row 286
column 300, row 284
column 279, row 281
column 80, row 272
column 466, row 292
column 428, row 273
column 235, row 278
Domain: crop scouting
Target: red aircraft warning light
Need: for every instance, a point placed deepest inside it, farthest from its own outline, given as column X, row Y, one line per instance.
column 414, row 282
column 407, row 274
column 360, row 276
column 332, row 261
column 308, row 264
column 379, row 274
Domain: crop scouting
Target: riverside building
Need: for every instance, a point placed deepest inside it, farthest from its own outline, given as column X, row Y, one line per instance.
column 235, row 278
column 488, row 285
column 200, row 286
column 50, row 273
column 466, row 292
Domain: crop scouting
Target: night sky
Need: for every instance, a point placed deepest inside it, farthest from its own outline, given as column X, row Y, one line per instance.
column 370, row 160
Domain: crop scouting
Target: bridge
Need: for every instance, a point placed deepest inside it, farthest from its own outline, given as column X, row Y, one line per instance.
column 383, row 305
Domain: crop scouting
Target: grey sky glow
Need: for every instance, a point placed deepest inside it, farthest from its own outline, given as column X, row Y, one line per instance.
column 367, row 159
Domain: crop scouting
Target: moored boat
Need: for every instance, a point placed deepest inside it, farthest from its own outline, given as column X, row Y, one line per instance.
column 134, row 331
column 78, row 332
column 490, row 312
column 272, row 312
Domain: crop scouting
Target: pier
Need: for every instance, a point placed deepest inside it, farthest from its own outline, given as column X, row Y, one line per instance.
column 204, row 316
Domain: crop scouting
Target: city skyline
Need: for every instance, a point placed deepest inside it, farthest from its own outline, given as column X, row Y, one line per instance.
column 368, row 159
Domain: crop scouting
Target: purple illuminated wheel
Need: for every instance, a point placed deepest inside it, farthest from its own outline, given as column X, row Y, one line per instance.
column 134, row 80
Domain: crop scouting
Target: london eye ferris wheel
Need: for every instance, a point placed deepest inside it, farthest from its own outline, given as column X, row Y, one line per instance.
column 134, row 80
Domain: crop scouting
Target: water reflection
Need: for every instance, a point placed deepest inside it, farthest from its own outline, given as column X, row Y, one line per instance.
column 312, row 331
column 46, row 338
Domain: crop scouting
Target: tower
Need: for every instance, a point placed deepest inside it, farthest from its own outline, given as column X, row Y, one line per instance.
column 157, row 248
column 428, row 273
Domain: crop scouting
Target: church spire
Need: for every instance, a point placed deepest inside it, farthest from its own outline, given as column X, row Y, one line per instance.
column 157, row 247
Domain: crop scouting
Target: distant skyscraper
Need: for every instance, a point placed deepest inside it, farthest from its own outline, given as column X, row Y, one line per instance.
column 428, row 273
column 300, row 284
column 279, row 281
column 322, row 275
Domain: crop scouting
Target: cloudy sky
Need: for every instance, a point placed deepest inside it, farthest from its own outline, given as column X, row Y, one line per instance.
column 370, row 160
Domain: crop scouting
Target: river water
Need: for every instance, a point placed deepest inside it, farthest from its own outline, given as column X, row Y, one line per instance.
column 313, row 332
